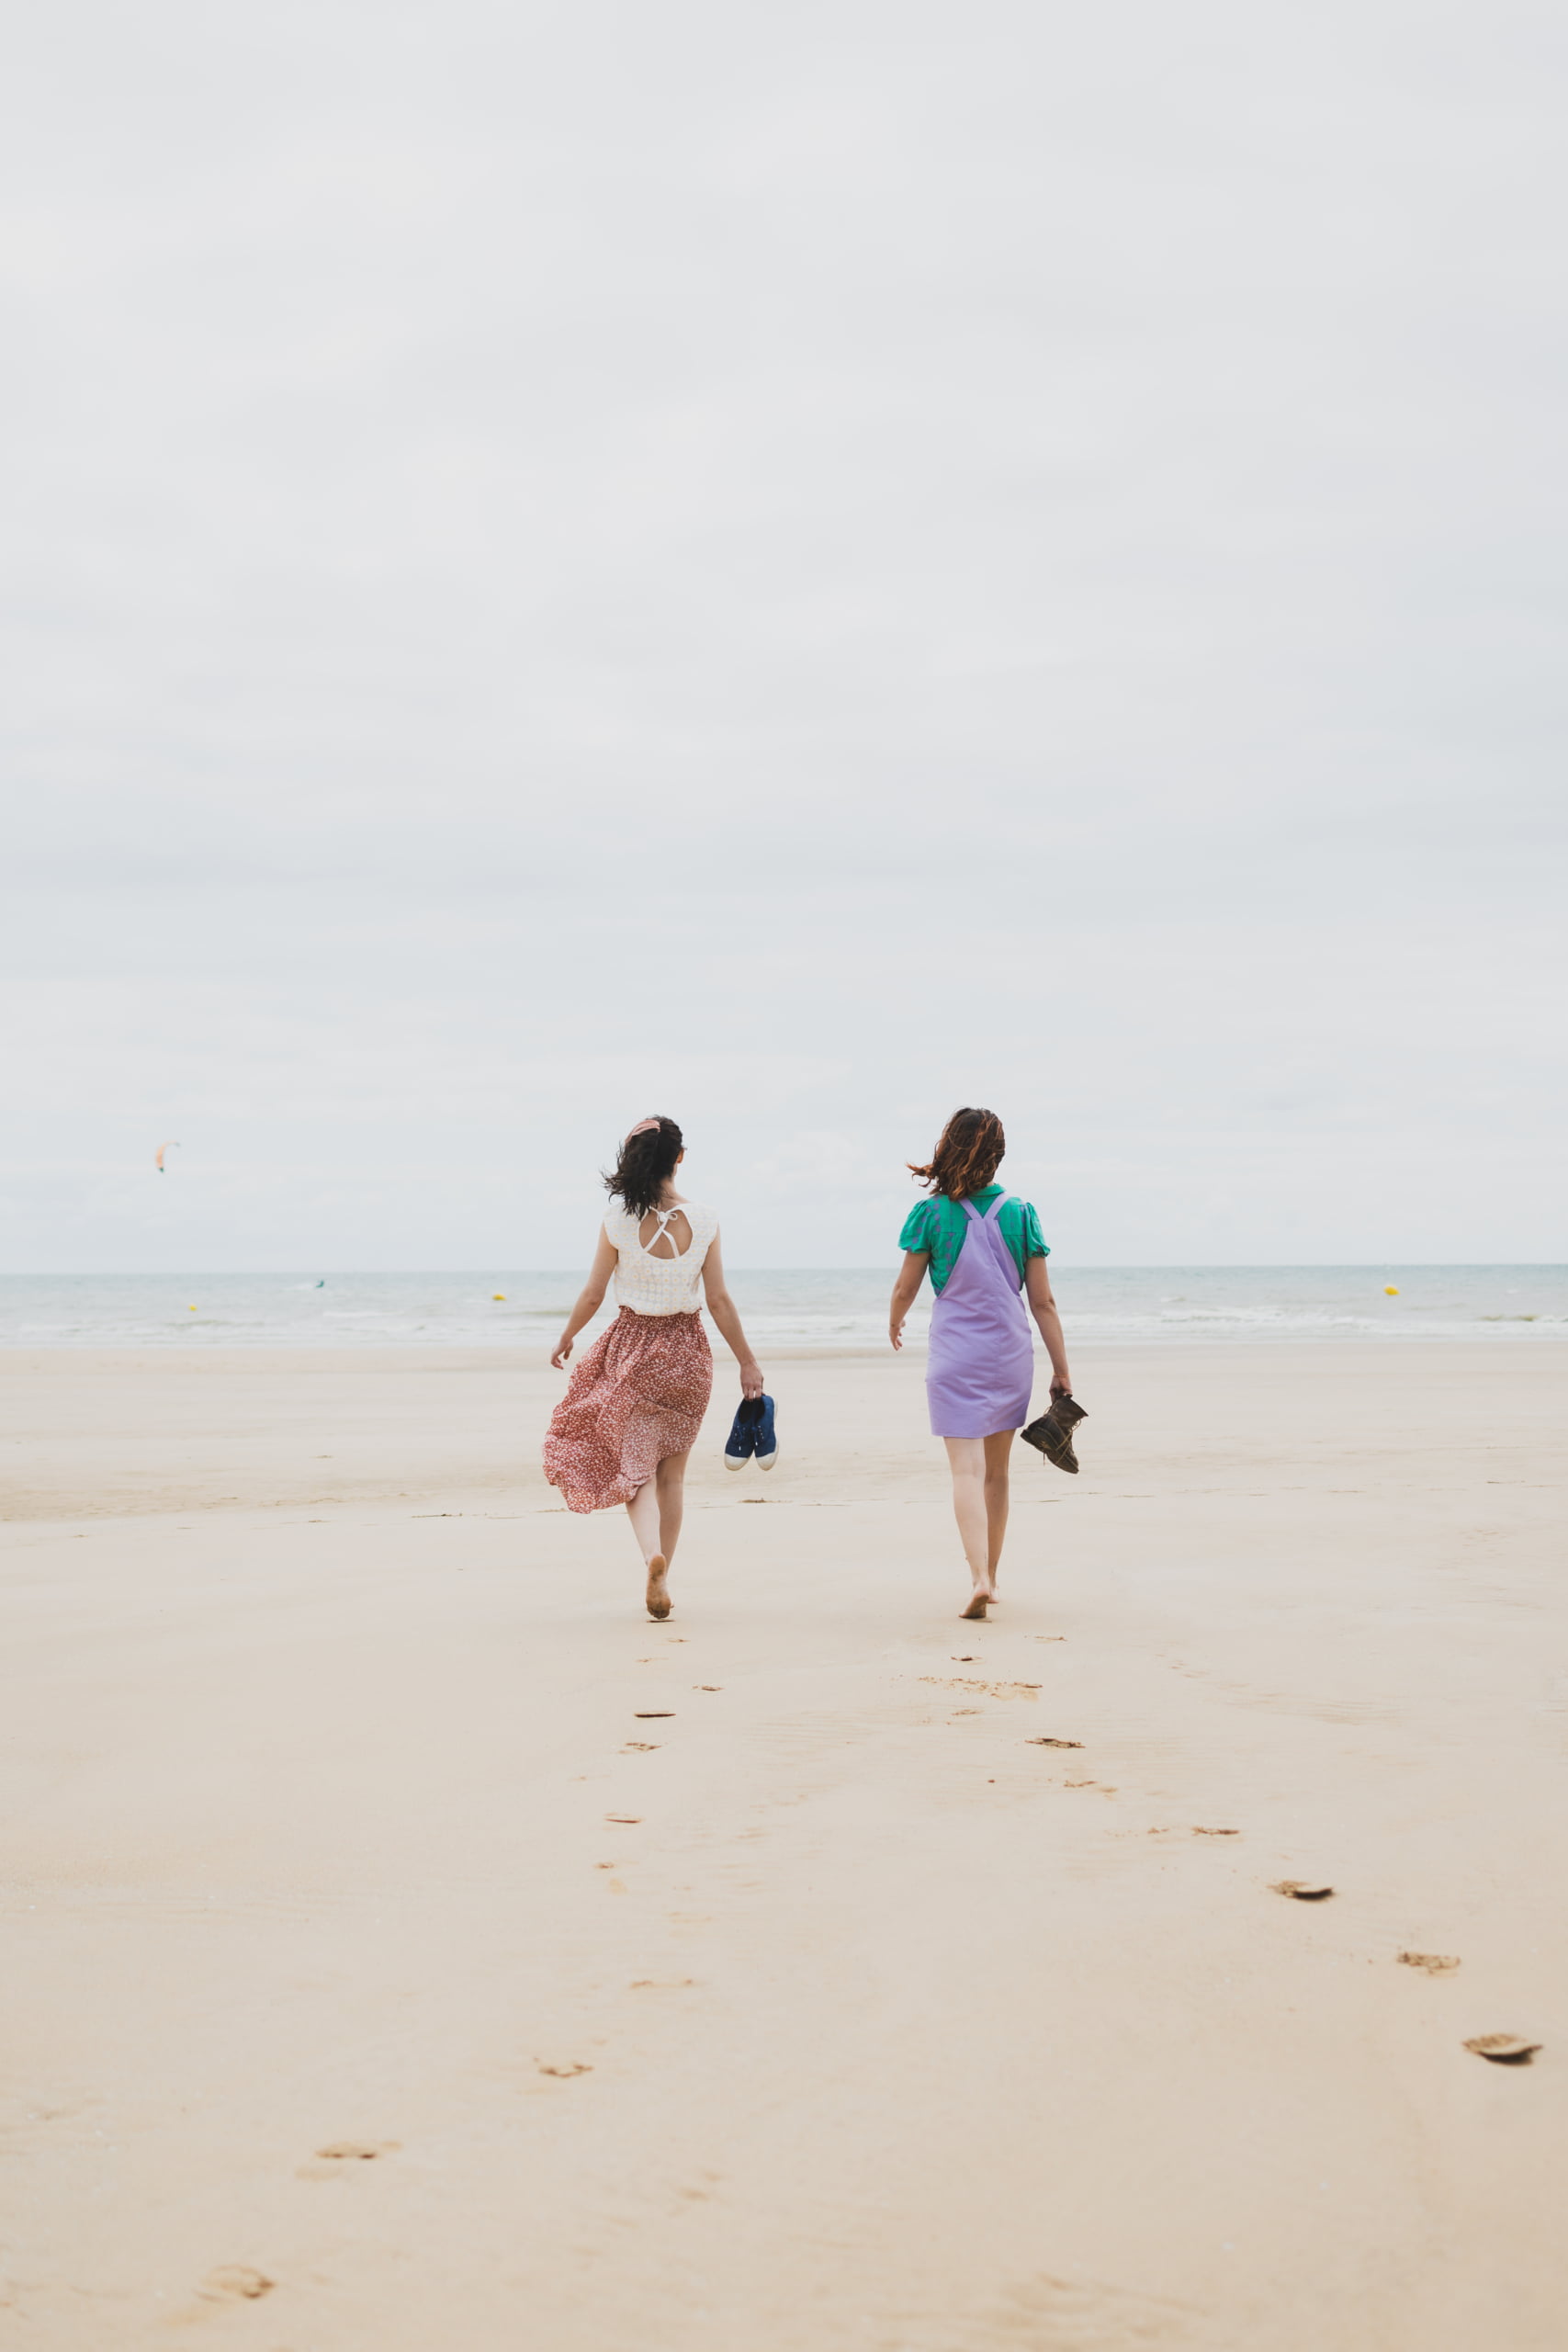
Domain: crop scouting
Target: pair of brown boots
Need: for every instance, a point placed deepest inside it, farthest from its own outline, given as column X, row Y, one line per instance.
column 1053, row 1432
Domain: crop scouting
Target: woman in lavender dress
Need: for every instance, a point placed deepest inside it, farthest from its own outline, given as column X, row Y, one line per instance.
column 985, row 1256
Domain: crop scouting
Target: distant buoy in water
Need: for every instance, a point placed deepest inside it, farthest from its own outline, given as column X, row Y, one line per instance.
column 1390, row 1290
column 500, row 1295
column 190, row 1310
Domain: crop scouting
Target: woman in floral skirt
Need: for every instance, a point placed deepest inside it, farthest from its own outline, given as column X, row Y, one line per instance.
column 623, row 1432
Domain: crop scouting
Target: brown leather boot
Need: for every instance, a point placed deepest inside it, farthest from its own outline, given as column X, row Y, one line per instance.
column 1053, row 1432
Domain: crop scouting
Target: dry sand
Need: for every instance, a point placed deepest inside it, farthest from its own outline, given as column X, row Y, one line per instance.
column 754, row 1982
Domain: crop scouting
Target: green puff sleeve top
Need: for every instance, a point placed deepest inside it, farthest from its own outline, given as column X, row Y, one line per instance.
column 939, row 1226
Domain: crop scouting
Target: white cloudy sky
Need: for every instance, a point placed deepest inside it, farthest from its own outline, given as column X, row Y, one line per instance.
column 792, row 564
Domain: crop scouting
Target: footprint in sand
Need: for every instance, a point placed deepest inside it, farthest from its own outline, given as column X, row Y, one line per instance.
column 640, row 1747
column 564, row 2074
column 707, row 1686
column 236, row 2279
column 624, row 1820
column 360, row 2150
column 1503, row 2049
column 654, row 1714
column 1304, row 1890
column 1053, row 1743
column 1214, row 1833
column 973, row 1683
column 661, row 1983
column 1436, row 1963
column 1043, row 2312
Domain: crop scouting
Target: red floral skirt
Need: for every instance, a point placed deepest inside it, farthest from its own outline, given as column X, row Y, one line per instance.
column 639, row 1394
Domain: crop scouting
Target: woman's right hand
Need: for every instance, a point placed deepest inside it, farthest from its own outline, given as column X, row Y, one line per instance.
column 911, row 1274
column 752, row 1382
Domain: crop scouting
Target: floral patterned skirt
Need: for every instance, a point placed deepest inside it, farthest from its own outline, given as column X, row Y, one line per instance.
column 639, row 1394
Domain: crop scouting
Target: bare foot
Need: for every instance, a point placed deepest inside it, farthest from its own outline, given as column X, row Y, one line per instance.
column 978, row 1602
column 659, row 1602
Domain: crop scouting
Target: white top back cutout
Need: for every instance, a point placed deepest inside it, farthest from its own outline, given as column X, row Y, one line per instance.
column 660, row 1285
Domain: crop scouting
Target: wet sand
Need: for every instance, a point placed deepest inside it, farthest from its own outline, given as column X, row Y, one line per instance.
column 756, row 1982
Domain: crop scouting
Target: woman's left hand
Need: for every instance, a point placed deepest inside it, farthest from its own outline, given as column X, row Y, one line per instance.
column 752, row 1378
column 558, row 1361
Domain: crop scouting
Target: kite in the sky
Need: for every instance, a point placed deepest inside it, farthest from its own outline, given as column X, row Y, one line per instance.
column 158, row 1157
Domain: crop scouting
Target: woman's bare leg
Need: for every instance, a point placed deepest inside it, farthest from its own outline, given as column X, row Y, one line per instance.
column 998, row 1449
column 643, row 1512
column 656, row 1512
column 967, row 1460
column 671, row 1489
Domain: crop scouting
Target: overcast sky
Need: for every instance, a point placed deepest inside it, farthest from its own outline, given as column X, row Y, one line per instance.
column 796, row 565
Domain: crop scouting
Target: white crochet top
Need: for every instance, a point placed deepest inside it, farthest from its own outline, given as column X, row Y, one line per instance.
column 660, row 1285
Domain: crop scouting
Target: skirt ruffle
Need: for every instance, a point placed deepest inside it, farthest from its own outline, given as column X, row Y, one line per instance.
column 639, row 1395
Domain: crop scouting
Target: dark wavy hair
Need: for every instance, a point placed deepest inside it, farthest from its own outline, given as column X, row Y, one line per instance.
column 968, row 1154
column 643, row 1166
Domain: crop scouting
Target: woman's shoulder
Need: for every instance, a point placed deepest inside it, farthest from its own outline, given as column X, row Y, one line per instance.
column 921, row 1223
column 621, row 1225
column 1027, row 1217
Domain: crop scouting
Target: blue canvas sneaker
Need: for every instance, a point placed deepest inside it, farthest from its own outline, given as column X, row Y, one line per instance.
column 741, row 1441
column 765, row 1444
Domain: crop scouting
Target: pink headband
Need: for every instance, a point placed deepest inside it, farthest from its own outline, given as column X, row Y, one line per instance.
column 642, row 1127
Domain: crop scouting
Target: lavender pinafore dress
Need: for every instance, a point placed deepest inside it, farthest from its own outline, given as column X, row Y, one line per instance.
column 980, row 1369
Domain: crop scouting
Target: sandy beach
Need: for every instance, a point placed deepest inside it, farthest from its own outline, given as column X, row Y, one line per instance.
column 410, row 1945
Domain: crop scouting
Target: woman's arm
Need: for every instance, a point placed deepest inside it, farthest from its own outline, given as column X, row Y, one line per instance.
column 1043, row 1307
column 591, row 1299
column 721, row 1307
column 911, row 1274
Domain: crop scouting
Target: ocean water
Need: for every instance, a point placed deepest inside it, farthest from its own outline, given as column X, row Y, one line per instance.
column 1178, row 1305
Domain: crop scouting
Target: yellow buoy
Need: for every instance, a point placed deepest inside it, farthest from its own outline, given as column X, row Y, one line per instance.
column 501, row 1294
column 190, row 1310
column 1390, row 1290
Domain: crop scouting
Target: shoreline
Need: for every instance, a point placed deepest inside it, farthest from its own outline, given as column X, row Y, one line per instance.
column 792, row 1316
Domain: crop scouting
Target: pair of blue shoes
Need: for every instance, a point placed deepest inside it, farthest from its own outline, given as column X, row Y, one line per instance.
column 752, row 1433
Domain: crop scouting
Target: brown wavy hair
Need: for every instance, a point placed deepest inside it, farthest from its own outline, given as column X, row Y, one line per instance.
column 644, row 1165
column 968, row 1154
